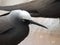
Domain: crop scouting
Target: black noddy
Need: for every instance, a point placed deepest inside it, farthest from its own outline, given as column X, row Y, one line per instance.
column 14, row 27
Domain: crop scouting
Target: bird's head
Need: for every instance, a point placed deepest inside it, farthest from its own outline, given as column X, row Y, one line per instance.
column 24, row 16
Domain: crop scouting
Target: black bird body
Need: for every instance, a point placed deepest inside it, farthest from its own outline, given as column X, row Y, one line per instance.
column 12, row 33
column 13, row 30
column 14, row 27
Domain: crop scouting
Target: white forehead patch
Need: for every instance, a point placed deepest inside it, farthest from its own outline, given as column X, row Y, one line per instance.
column 22, row 14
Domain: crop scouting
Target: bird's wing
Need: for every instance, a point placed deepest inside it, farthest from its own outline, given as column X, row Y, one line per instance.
column 44, row 9
column 4, row 24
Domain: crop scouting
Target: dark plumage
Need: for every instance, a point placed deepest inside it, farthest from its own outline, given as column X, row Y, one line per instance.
column 14, row 27
column 12, row 34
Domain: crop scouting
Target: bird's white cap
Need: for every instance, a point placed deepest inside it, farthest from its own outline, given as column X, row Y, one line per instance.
column 22, row 14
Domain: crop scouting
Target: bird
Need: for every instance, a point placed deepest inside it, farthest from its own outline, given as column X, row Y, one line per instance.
column 14, row 27
column 46, row 9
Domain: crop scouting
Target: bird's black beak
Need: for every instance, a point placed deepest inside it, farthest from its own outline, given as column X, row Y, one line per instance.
column 32, row 22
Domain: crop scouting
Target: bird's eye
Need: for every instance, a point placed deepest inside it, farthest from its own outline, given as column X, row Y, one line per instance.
column 26, row 21
column 23, row 20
